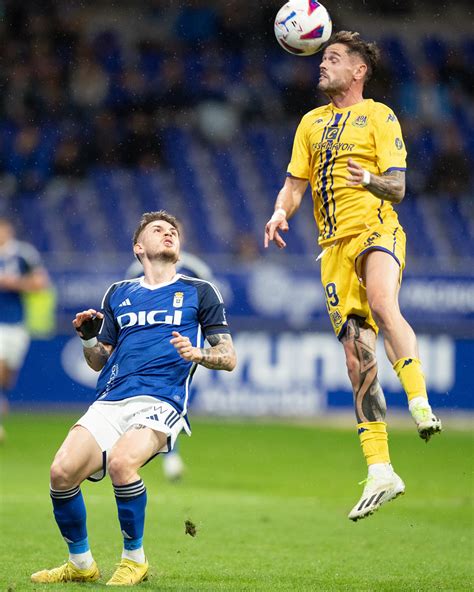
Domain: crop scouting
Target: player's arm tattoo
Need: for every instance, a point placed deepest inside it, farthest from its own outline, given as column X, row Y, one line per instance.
column 389, row 186
column 97, row 356
column 221, row 354
column 369, row 400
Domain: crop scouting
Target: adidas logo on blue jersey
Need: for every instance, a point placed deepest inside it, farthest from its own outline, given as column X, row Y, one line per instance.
column 126, row 302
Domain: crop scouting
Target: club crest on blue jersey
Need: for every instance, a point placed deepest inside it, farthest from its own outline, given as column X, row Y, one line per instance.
column 178, row 299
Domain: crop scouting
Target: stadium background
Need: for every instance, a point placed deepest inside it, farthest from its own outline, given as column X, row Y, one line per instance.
column 108, row 111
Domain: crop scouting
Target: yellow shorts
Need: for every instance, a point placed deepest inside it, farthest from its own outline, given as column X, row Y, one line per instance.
column 341, row 272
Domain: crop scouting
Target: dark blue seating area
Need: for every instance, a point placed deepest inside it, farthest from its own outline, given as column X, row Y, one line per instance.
column 99, row 214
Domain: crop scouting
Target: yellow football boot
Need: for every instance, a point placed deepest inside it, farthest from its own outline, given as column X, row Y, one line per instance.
column 129, row 573
column 67, row 573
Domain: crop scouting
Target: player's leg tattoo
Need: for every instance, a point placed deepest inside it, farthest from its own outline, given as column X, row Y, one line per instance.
column 359, row 347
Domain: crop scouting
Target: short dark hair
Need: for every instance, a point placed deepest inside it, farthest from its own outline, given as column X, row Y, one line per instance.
column 368, row 51
column 148, row 217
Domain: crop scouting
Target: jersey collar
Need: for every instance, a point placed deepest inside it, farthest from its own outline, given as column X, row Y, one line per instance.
column 143, row 284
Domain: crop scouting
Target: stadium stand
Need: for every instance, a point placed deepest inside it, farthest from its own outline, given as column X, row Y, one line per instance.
column 79, row 162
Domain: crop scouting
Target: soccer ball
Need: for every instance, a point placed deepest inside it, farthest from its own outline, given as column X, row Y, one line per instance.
column 302, row 27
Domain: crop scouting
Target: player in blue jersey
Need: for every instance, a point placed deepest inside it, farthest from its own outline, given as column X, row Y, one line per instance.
column 21, row 271
column 147, row 342
column 190, row 265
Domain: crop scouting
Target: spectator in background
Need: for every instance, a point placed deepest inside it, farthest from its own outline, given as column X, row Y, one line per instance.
column 141, row 146
column 254, row 96
column 174, row 92
column 28, row 161
column 217, row 119
column 68, row 159
column 246, row 248
column 102, row 142
column 21, row 271
column 89, row 83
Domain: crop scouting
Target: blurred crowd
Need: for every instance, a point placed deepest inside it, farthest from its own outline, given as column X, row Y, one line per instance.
column 76, row 96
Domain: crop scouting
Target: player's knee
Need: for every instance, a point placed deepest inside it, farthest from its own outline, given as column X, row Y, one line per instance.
column 383, row 310
column 119, row 467
column 62, row 474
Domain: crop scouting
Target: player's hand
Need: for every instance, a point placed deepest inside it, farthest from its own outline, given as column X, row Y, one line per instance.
column 184, row 348
column 87, row 323
column 276, row 223
column 356, row 173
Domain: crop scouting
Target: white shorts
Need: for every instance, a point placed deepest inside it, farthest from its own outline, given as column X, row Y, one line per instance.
column 108, row 420
column 14, row 343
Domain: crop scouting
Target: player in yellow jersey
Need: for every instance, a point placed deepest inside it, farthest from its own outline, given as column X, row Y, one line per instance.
column 352, row 153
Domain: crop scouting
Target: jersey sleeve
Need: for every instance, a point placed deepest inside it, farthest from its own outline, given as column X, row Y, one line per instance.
column 211, row 310
column 109, row 329
column 390, row 147
column 300, row 157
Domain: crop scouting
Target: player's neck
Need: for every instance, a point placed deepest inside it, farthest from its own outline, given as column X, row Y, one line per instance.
column 159, row 273
column 347, row 99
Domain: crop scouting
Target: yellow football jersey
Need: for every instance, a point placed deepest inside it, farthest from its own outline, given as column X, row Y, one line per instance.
column 369, row 133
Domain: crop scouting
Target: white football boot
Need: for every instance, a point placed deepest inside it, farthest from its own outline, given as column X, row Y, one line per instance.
column 426, row 421
column 378, row 490
column 173, row 466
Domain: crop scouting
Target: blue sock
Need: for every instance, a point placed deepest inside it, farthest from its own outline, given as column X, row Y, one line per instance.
column 70, row 513
column 131, row 504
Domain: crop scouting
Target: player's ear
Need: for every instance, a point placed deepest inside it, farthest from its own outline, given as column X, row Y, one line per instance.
column 360, row 71
column 138, row 250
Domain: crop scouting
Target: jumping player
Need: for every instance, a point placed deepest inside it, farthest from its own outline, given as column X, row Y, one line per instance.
column 352, row 153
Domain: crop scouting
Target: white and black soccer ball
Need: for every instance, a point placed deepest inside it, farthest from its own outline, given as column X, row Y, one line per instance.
column 302, row 27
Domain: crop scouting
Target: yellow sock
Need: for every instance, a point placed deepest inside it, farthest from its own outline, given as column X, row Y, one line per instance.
column 411, row 376
column 374, row 441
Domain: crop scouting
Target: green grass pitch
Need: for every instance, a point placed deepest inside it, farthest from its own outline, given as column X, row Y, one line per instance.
column 270, row 503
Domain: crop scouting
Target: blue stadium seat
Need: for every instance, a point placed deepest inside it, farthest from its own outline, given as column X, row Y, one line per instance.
column 435, row 50
column 402, row 67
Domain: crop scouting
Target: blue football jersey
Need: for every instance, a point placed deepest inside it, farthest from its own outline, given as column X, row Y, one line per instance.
column 139, row 320
column 16, row 258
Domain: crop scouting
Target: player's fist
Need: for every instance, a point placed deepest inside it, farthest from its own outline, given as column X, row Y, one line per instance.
column 184, row 348
column 87, row 323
